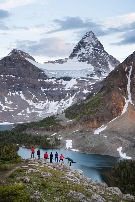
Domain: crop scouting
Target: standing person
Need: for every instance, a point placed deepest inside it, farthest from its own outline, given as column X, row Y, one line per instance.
column 61, row 157
column 38, row 153
column 32, row 152
column 56, row 157
column 45, row 156
column 51, row 157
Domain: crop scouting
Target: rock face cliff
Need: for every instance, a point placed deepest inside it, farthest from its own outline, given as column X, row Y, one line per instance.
column 30, row 92
column 90, row 50
column 114, row 101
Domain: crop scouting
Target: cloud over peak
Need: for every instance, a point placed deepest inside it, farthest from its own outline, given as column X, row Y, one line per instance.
column 70, row 23
column 50, row 47
column 128, row 39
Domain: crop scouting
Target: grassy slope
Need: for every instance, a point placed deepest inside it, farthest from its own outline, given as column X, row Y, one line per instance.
column 54, row 187
column 84, row 109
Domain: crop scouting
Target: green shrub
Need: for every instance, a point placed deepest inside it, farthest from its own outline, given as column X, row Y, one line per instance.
column 4, row 167
column 12, row 175
column 43, row 183
column 124, row 176
column 13, row 193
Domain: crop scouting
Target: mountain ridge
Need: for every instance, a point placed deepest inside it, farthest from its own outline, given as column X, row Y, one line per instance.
column 113, row 99
column 29, row 93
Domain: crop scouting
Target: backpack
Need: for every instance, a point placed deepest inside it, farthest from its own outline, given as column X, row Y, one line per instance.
column 38, row 152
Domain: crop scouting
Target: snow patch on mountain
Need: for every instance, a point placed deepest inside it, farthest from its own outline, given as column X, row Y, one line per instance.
column 123, row 155
column 129, row 100
column 71, row 68
column 71, row 64
column 100, row 129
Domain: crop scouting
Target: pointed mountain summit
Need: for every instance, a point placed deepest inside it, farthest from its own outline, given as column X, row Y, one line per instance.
column 90, row 50
column 16, row 64
column 89, row 59
column 20, row 54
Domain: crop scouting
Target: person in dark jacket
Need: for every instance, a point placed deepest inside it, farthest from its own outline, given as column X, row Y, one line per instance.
column 70, row 160
column 51, row 157
column 38, row 153
column 56, row 157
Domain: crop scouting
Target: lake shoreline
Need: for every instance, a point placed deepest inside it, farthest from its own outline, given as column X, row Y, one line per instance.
column 90, row 164
column 54, row 148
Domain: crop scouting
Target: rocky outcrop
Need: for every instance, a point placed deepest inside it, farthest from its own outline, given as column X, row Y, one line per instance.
column 88, row 190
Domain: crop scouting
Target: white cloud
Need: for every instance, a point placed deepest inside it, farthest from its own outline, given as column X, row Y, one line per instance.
column 8, row 4
column 117, row 21
column 54, row 47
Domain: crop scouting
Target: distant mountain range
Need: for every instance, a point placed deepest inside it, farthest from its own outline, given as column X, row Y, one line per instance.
column 31, row 91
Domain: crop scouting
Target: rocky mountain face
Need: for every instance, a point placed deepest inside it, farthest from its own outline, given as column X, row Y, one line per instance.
column 90, row 53
column 105, row 123
column 29, row 92
column 113, row 102
column 90, row 50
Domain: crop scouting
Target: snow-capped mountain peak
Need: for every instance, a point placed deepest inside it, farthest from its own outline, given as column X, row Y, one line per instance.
column 88, row 59
column 31, row 91
column 86, row 46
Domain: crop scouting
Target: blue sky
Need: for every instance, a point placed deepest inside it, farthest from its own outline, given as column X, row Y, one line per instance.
column 49, row 29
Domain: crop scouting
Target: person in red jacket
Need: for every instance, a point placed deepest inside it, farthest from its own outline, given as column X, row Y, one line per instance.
column 61, row 157
column 32, row 152
column 45, row 156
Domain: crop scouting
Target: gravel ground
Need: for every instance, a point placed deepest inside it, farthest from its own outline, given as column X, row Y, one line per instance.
column 119, row 133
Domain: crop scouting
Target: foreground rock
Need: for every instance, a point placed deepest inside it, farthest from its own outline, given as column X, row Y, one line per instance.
column 57, row 182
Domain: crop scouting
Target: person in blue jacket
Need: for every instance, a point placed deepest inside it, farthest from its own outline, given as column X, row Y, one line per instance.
column 56, row 157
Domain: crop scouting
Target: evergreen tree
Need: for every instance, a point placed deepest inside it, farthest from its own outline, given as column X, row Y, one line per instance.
column 124, row 176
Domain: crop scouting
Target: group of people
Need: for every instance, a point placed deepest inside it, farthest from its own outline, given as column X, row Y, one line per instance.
column 57, row 157
column 46, row 155
column 33, row 152
column 51, row 157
